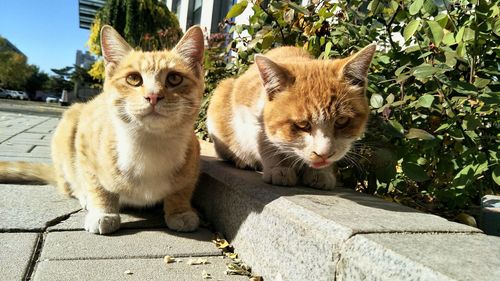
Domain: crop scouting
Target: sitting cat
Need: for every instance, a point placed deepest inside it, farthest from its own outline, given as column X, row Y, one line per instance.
column 291, row 115
column 133, row 144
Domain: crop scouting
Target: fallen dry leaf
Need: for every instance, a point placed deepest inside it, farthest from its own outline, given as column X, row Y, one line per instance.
column 197, row 261
column 232, row 256
column 237, row 268
column 466, row 219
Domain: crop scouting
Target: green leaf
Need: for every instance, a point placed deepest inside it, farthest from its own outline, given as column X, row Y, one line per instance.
column 425, row 101
column 496, row 174
column 396, row 125
column 328, row 48
column 461, row 51
column 464, row 176
column 442, row 19
column 449, row 39
column 237, row 9
column 399, row 70
column 410, row 29
column 437, row 31
column 442, row 127
column 464, row 87
column 451, row 60
column 468, row 34
column 415, row 133
column 481, row 82
column 416, row 6
column 298, row 8
column 376, row 100
column 496, row 27
column 414, row 172
column 460, row 34
column 424, row 71
column 267, row 40
column 390, row 99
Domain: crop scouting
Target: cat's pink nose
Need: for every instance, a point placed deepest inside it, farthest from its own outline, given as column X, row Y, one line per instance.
column 153, row 99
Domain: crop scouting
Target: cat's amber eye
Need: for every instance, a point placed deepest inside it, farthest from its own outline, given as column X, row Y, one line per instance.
column 134, row 79
column 174, row 79
column 342, row 122
column 302, row 126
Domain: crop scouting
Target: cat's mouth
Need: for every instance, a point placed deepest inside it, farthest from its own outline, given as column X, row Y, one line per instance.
column 321, row 164
column 153, row 113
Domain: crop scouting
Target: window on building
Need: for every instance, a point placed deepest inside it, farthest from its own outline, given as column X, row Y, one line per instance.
column 176, row 7
column 221, row 7
column 196, row 14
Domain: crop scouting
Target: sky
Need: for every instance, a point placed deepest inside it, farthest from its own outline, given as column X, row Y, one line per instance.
column 46, row 31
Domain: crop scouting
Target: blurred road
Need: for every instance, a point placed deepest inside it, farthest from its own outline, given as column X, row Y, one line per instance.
column 31, row 107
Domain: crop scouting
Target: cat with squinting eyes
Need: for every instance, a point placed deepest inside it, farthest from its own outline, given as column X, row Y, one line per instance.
column 133, row 144
column 292, row 116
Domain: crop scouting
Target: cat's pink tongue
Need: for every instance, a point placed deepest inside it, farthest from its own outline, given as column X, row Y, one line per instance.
column 319, row 165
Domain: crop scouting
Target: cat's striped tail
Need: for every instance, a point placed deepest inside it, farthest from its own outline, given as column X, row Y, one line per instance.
column 27, row 172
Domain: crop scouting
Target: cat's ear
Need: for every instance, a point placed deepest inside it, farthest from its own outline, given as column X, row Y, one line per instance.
column 274, row 77
column 355, row 70
column 192, row 47
column 114, row 48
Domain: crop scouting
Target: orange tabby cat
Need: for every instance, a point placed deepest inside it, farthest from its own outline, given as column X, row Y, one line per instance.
column 134, row 143
column 292, row 115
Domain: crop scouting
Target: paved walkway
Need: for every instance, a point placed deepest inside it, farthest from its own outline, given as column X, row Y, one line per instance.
column 41, row 235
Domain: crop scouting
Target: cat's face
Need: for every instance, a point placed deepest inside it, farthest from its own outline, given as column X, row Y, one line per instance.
column 154, row 90
column 316, row 110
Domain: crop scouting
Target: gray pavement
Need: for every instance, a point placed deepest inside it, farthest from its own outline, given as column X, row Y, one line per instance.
column 41, row 235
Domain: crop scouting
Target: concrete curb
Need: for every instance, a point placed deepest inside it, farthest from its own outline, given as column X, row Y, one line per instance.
column 306, row 234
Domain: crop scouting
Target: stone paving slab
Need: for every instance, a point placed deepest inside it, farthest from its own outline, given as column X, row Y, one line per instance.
column 21, row 140
column 16, row 250
column 420, row 257
column 33, row 207
column 130, row 219
column 29, row 158
column 11, row 149
column 141, row 269
column 128, row 243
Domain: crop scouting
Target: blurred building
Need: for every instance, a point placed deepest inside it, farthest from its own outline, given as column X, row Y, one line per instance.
column 87, row 10
column 207, row 13
column 84, row 59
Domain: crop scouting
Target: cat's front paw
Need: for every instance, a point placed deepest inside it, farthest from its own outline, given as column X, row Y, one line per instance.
column 319, row 179
column 183, row 222
column 280, row 176
column 101, row 223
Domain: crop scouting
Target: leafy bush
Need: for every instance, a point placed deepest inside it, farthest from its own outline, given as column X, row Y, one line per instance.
column 433, row 138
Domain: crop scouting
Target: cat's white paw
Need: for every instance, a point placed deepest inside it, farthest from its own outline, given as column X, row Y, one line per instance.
column 319, row 179
column 187, row 221
column 101, row 223
column 280, row 176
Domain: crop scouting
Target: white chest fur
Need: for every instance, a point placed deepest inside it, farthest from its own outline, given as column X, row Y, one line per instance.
column 148, row 164
column 247, row 128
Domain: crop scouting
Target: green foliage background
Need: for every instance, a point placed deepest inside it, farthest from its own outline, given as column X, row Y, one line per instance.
column 433, row 138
